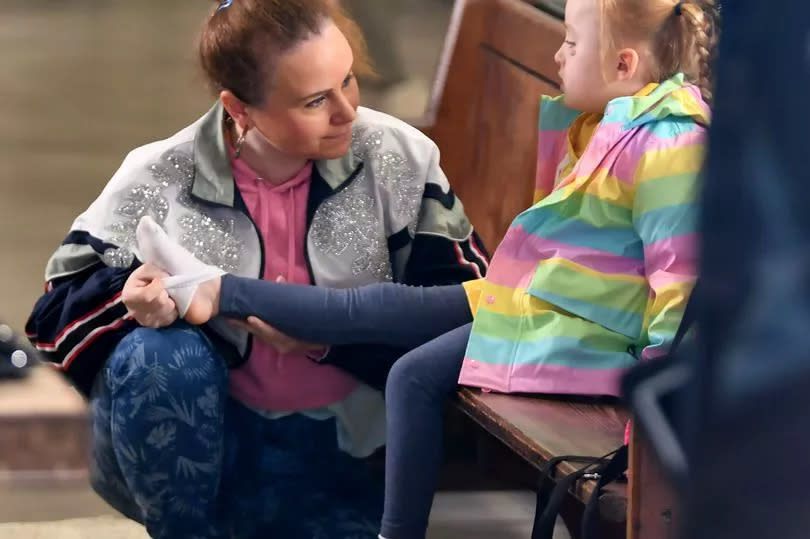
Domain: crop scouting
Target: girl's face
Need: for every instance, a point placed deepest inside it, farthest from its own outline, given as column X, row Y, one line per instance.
column 591, row 79
column 579, row 57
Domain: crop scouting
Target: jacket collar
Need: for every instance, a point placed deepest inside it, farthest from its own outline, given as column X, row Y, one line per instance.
column 673, row 98
column 213, row 177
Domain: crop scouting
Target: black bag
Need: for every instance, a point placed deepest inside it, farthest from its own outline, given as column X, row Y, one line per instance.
column 550, row 496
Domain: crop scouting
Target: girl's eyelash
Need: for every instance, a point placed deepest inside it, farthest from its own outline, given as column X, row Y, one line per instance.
column 569, row 42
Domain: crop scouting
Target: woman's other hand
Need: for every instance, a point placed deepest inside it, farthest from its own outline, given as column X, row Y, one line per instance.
column 280, row 341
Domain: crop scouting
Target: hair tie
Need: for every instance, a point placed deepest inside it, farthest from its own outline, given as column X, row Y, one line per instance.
column 678, row 8
column 224, row 4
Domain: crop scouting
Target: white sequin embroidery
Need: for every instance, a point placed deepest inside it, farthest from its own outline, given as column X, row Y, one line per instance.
column 349, row 219
column 391, row 169
column 211, row 240
column 120, row 257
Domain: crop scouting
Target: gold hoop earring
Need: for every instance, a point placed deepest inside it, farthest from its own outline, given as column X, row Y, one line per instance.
column 239, row 143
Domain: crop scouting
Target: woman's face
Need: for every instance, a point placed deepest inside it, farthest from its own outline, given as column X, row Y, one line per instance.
column 311, row 98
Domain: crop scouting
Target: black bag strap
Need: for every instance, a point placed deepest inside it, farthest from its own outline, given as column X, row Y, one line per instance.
column 606, row 469
column 613, row 470
column 550, row 499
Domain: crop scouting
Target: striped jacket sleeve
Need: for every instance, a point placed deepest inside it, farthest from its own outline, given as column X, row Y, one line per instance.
column 438, row 261
column 665, row 217
column 80, row 318
column 445, row 249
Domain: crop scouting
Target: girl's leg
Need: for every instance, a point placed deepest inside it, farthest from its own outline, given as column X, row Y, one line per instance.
column 380, row 313
column 418, row 388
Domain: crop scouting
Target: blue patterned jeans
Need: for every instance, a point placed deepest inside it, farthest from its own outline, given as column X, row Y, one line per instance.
column 172, row 451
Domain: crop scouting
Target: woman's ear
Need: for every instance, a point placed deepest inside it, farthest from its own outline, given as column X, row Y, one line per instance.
column 626, row 64
column 235, row 108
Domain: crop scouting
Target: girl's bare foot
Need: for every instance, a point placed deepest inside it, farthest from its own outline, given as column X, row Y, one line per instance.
column 204, row 303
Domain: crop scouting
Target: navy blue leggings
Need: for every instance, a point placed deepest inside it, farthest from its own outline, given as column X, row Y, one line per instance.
column 434, row 322
column 379, row 313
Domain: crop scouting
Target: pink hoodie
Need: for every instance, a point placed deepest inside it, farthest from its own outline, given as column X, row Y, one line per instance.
column 270, row 380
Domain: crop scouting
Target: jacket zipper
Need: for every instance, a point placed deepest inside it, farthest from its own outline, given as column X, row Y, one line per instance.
column 239, row 206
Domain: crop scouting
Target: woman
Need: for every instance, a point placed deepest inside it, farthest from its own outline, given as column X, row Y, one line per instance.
column 285, row 178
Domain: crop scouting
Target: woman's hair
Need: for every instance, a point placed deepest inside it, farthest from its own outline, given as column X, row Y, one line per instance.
column 240, row 34
column 683, row 34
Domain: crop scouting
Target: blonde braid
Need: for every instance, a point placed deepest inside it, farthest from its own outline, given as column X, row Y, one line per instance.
column 703, row 16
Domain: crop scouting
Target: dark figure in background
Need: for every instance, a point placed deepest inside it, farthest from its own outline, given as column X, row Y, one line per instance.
column 746, row 443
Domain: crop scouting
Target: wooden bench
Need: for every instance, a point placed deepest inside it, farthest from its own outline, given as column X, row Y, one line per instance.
column 497, row 61
column 538, row 429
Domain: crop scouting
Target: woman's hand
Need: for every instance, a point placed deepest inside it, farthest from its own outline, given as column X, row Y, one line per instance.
column 146, row 298
column 280, row 341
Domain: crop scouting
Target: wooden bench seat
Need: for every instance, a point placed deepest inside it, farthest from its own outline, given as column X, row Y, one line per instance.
column 540, row 428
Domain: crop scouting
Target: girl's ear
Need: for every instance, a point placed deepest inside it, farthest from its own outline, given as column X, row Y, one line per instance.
column 627, row 61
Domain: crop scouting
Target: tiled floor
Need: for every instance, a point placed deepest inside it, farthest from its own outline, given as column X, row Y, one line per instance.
column 485, row 515
column 479, row 515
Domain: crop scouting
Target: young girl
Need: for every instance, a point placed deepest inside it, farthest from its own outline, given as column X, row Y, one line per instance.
column 590, row 279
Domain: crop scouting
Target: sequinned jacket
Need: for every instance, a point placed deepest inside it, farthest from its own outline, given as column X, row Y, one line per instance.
column 382, row 212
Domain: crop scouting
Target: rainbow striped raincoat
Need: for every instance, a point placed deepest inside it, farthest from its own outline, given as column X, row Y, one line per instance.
column 596, row 274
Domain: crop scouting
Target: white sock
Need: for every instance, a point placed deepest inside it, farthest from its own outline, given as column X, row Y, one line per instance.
column 186, row 271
